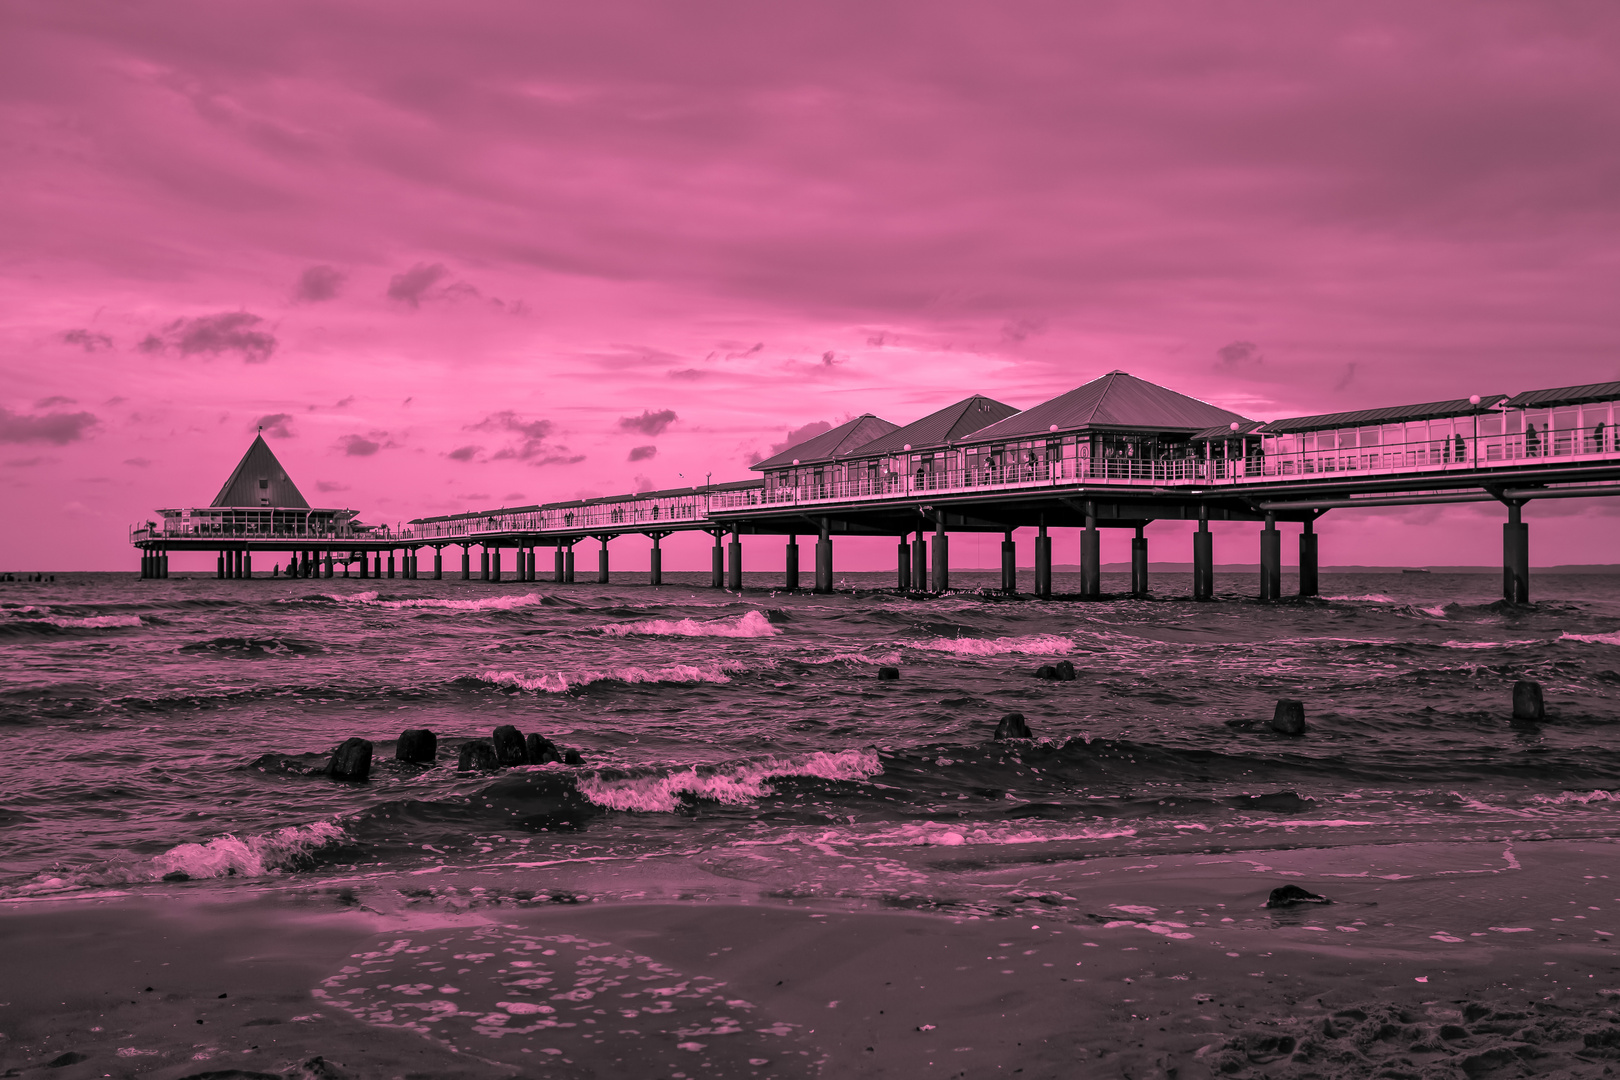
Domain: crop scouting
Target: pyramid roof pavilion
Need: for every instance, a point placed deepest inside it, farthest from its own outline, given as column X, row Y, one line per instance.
column 260, row 480
column 950, row 424
column 841, row 441
column 1118, row 401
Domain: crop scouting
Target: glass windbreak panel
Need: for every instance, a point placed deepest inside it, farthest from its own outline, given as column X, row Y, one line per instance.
column 1490, row 425
column 1565, row 420
column 1369, row 436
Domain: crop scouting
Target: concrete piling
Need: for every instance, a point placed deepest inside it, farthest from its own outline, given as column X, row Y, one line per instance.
column 602, row 561
column 438, row 564
column 919, row 561
column 1203, row 561
column 942, row 557
column 483, row 564
column 734, row 561
column 1270, row 560
column 1139, row 564
column 1009, row 564
column 1308, row 584
column 824, row 559
column 1527, row 701
column 568, row 565
column 1043, row 565
column 1090, row 561
column 1515, row 556
column 717, row 562
column 557, row 564
column 902, row 572
column 790, row 564
column 466, row 562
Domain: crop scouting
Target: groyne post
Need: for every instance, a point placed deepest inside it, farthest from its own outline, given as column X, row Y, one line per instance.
column 790, row 564
column 1139, row 563
column 1090, row 560
column 1515, row 555
column 824, row 560
column 942, row 557
column 1009, row 564
column 1308, row 580
column 1270, row 560
column 734, row 560
column 1043, row 564
column 1203, row 559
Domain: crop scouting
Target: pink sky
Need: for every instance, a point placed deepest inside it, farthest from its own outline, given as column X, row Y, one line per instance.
column 561, row 234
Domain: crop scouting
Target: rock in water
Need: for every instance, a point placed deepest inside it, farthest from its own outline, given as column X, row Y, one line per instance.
column 1065, row 671
column 541, row 750
column 1012, row 726
column 887, row 673
column 1527, row 703
column 419, row 746
column 573, row 757
column 1289, row 717
column 1046, row 671
column 509, row 748
column 351, row 760
column 478, row 755
column 1289, row 895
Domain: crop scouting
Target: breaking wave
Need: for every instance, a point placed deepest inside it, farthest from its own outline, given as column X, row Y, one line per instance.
column 1593, row 639
column 561, row 683
column 1038, row 645
column 743, row 782
column 751, row 624
column 57, row 623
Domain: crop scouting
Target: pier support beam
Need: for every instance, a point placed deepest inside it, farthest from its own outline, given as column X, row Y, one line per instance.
column 533, row 555
column 376, row 566
column 655, row 561
column 557, row 565
column 1203, row 561
column 466, row 562
column 483, row 564
column 790, row 564
column 1270, row 560
column 568, row 565
column 824, row 562
column 734, row 560
column 390, row 562
column 495, row 564
column 1515, row 557
column 438, row 564
column 163, row 562
column 919, row 561
column 1043, row 565
column 1090, row 561
column 221, row 571
column 942, row 557
column 717, row 562
column 328, row 562
column 602, row 561
column 1308, row 585
column 1009, row 564
column 364, row 568
column 902, row 576
column 247, row 564
column 1139, row 564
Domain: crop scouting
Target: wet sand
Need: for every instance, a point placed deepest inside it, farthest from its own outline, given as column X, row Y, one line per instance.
column 1435, row 960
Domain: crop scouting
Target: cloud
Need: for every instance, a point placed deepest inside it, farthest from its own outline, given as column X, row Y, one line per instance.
column 276, row 425
column 227, row 331
column 55, row 399
column 28, row 462
column 464, row 453
column 649, row 422
column 531, row 444
column 138, row 462
column 1239, row 354
column 412, row 286
column 327, row 487
column 690, row 374
column 642, row 483
column 359, row 445
column 799, row 435
column 88, row 339
column 642, row 453
column 59, row 427
column 344, row 403
column 319, row 283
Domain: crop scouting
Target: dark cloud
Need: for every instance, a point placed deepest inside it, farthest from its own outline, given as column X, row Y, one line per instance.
column 344, row 403
column 464, row 453
column 799, row 435
column 28, row 462
column 649, row 422
column 54, row 399
column 319, row 283
column 225, row 332
column 359, row 445
column 1239, row 354
column 276, row 425
column 89, row 340
column 531, row 445
column 327, row 487
column 643, row 483
column 689, row 374
column 59, row 427
column 411, row 286
column 642, row 453
column 138, row 462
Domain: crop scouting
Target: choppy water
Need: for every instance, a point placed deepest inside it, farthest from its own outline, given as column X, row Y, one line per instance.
column 164, row 728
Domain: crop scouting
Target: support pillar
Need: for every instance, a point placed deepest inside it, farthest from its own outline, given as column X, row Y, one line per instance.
column 1203, row 561
column 483, row 564
column 247, row 564
column 557, row 565
column 717, row 564
column 942, row 557
column 568, row 565
column 1515, row 557
column 364, row 568
column 466, row 562
column 655, row 560
column 376, row 566
column 824, row 562
column 220, row 573
column 438, row 564
column 390, row 563
column 163, row 563
column 1090, row 561
column 902, row 577
column 602, row 562
column 495, row 564
column 1270, row 560
column 1043, row 565
column 146, row 565
column 328, row 562
column 1009, row 564
column 1139, row 563
column 533, row 558
column 1307, row 560
column 734, row 560
column 919, row 561
column 790, row 567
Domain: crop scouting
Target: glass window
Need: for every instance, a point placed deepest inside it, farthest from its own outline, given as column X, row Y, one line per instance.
column 1369, row 436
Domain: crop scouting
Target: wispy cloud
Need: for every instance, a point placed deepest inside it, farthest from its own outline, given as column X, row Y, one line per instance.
column 214, row 335
column 59, row 427
column 649, row 422
column 319, row 283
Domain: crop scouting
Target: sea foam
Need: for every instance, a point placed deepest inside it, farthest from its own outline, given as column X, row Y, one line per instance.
column 739, row 782
column 1037, row 644
column 86, row 622
column 1593, row 639
column 560, row 682
column 751, row 624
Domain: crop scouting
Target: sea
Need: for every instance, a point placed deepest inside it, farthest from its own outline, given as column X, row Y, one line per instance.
column 174, row 734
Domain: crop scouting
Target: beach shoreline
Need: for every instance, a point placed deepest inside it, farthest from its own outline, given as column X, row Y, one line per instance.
column 1139, row 966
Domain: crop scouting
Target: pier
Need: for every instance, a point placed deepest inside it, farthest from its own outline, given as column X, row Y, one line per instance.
column 1116, row 453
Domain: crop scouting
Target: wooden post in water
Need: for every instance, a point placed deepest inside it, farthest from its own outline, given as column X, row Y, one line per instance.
column 1308, row 584
column 1203, row 559
column 1270, row 560
column 1139, row 564
column 1090, row 561
column 1515, row 556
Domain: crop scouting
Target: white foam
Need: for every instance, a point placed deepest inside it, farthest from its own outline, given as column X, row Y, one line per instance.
column 934, row 834
column 1365, row 598
column 741, row 782
column 751, row 624
column 87, row 622
column 1593, row 639
column 1583, row 797
column 487, row 603
column 1037, row 644
column 890, row 659
column 560, row 682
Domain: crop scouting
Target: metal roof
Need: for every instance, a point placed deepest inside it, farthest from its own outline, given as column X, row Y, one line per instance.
column 1565, row 395
column 950, row 424
column 1432, row 410
column 830, row 444
column 259, row 480
column 1225, row 431
column 1116, row 401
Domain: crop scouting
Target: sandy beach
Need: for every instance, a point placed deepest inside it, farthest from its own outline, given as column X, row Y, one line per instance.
column 1432, row 961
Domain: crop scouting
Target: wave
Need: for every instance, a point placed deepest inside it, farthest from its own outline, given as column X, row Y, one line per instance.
column 742, row 782
column 247, row 647
column 561, row 683
column 486, row 603
column 1593, row 639
column 1364, row 598
column 56, row 624
column 1568, row 798
column 1037, row 645
column 751, row 624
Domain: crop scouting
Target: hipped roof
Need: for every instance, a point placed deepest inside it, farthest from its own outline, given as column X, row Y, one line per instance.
column 1118, row 400
column 1431, row 410
column 1565, row 395
column 950, row 424
column 829, row 444
column 259, row 463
